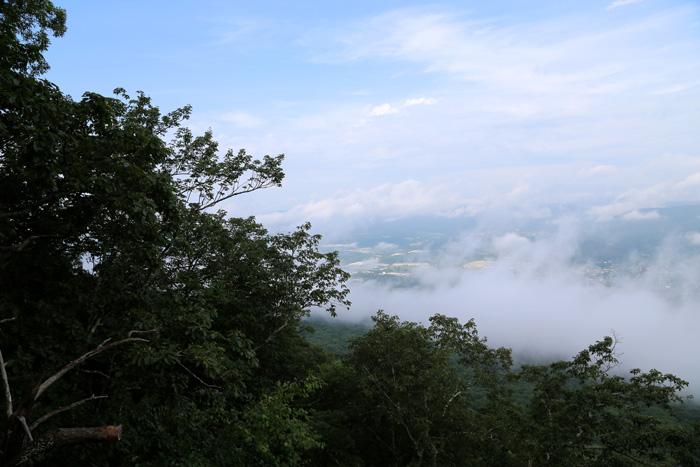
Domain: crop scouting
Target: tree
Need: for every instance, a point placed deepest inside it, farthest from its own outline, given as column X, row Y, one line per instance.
column 407, row 402
column 108, row 235
column 581, row 414
column 439, row 395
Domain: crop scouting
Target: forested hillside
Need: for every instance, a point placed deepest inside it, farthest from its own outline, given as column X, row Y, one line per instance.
column 141, row 324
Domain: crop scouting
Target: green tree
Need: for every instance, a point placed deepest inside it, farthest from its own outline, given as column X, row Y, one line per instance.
column 411, row 394
column 123, row 292
column 407, row 400
column 581, row 414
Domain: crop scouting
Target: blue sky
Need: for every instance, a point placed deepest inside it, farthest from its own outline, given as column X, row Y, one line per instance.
column 400, row 108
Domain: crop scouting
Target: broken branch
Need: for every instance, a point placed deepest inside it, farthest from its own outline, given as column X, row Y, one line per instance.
column 40, row 449
column 41, row 388
column 6, row 385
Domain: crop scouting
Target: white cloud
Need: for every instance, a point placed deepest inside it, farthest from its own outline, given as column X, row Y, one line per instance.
column 510, row 242
column 385, row 246
column 501, row 195
column 630, row 202
column 242, row 119
column 603, row 169
column 674, row 89
column 389, row 109
column 493, row 193
column 382, row 109
column 619, row 3
column 419, row 101
column 693, row 238
column 637, row 215
column 409, row 197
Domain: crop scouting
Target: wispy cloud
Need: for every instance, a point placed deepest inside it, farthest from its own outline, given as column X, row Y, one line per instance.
column 419, row 101
column 382, row 109
column 693, row 238
column 637, row 215
column 241, row 119
column 564, row 63
column 619, row 3
column 628, row 204
column 388, row 109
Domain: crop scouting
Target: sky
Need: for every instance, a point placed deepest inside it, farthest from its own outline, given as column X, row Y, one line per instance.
column 573, row 114
column 402, row 108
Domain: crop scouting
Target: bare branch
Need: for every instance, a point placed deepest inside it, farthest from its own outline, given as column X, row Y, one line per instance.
column 96, row 372
column 213, row 386
column 27, row 430
column 613, row 350
column 134, row 332
column 6, row 320
column 449, row 401
column 6, row 384
column 272, row 336
column 41, row 388
column 65, row 408
column 399, row 411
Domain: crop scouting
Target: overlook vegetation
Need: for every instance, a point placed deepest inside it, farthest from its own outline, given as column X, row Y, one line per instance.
column 141, row 324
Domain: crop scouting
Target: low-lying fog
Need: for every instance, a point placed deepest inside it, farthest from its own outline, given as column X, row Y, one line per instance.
column 539, row 297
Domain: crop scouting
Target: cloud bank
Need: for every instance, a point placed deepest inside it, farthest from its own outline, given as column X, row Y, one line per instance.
column 532, row 296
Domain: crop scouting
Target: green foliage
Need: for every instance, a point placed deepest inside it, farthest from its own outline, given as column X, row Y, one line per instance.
column 582, row 415
column 106, row 232
column 405, row 400
column 25, row 27
column 439, row 395
column 331, row 335
column 275, row 432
